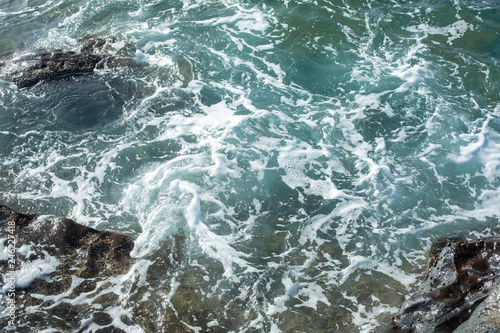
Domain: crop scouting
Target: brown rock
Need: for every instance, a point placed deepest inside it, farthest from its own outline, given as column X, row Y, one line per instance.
column 102, row 318
column 77, row 251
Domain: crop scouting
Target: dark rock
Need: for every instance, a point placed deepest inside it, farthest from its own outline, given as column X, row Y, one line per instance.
column 486, row 317
column 84, row 287
column 107, row 300
column 102, row 318
column 110, row 329
column 67, row 314
column 81, row 256
column 46, row 65
column 460, row 276
column 95, row 253
column 126, row 320
column 107, row 48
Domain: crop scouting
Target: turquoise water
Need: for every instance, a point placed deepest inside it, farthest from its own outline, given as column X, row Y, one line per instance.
column 301, row 155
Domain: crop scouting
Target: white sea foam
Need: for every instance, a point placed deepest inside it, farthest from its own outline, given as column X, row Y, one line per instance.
column 36, row 269
column 453, row 31
column 193, row 212
column 294, row 157
column 476, row 142
column 411, row 68
column 245, row 20
column 429, row 150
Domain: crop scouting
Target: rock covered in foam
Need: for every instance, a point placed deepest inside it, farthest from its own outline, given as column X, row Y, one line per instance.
column 57, row 256
column 89, row 252
column 460, row 276
column 71, row 278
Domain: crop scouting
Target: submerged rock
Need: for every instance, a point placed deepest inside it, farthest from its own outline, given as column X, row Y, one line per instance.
column 46, row 65
column 49, row 257
column 460, row 276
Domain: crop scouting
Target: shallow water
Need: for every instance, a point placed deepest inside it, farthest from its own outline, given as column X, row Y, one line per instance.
column 297, row 157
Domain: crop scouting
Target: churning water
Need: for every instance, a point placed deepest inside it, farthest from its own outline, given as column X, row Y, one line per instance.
column 292, row 161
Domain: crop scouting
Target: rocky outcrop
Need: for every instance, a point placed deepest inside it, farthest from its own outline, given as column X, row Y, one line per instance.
column 83, row 250
column 46, row 65
column 460, row 276
column 49, row 256
column 486, row 317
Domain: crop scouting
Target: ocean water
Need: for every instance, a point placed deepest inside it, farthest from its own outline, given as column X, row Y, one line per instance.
column 293, row 161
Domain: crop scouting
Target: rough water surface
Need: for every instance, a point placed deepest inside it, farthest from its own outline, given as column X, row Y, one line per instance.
column 283, row 166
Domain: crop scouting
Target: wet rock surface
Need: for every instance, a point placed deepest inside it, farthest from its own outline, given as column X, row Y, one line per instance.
column 486, row 317
column 84, row 250
column 56, row 261
column 47, row 65
column 460, row 276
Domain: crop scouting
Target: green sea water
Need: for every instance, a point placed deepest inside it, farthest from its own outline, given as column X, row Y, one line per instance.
column 297, row 157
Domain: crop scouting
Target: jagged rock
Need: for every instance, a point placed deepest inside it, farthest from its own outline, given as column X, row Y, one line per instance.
column 57, row 256
column 94, row 253
column 460, row 276
column 46, row 65
column 486, row 317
